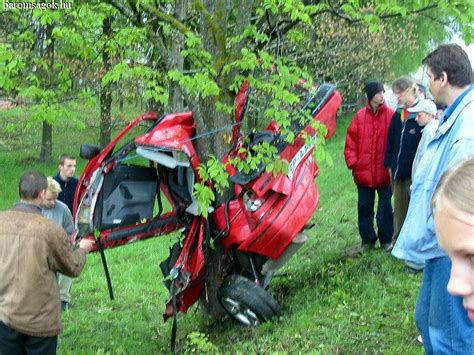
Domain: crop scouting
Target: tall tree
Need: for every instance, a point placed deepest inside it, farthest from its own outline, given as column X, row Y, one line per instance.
column 106, row 89
column 47, row 136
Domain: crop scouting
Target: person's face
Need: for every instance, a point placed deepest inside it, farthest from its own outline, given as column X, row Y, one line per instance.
column 456, row 237
column 404, row 97
column 68, row 169
column 378, row 99
column 423, row 118
column 50, row 199
column 436, row 85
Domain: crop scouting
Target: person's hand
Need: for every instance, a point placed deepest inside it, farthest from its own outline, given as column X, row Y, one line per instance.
column 86, row 244
column 390, row 174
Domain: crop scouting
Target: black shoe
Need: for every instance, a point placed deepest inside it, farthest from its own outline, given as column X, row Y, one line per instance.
column 65, row 306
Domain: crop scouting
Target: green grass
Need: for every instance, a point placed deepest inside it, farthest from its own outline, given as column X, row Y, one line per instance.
column 333, row 300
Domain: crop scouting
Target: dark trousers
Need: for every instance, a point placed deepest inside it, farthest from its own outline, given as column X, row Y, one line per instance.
column 13, row 343
column 365, row 209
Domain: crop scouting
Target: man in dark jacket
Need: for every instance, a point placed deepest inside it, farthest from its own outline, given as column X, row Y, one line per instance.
column 66, row 179
column 402, row 142
column 32, row 250
column 364, row 153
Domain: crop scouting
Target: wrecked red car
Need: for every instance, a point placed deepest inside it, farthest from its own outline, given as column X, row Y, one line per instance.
column 141, row 186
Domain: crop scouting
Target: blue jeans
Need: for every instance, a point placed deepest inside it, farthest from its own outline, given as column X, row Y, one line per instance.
column 365, row 211
column 440, row 317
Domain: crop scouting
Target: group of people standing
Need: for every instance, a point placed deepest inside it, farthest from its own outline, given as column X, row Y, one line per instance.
column 38, row 261
column 405, row 153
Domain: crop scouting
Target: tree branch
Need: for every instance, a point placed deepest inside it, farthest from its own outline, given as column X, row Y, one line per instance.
column 175, row 23
column 349, row 20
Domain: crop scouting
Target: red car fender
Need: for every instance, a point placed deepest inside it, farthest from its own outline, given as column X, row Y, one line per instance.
column 276, row 222
column 191, row 269
column 328, row 114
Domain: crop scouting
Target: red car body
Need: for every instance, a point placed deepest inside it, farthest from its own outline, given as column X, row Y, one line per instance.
column 122, row 192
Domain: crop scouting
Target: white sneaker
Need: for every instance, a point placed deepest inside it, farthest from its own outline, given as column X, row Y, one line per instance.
column 419, row 339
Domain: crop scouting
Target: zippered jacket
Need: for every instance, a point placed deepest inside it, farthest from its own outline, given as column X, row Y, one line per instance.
column 452, row 143
column 32, row 250
column 365, row 146
column 68, row 189
column 402, row 143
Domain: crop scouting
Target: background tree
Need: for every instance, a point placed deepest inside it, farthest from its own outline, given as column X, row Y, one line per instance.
column 37, row 68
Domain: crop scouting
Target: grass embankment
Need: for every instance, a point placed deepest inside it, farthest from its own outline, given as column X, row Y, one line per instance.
column 332, row 300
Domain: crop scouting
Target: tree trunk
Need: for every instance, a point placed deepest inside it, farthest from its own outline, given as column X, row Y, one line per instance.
column 106, row 91
column 47, row 134
column 207, row 119
column 46, row 143
column 176, row 60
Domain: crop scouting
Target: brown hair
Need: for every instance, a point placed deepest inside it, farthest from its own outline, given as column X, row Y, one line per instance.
column 31, row 184
column 456, row 188
column 454, row 61
column 63, row 157
column 404, row 83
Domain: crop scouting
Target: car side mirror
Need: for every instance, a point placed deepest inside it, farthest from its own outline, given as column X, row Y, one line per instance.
column 89, row 151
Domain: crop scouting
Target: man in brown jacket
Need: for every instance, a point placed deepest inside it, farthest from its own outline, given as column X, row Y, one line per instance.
column 32, row 250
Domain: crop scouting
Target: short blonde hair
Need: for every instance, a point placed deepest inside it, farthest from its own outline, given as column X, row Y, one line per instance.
column 456, row 188
column 53, row 186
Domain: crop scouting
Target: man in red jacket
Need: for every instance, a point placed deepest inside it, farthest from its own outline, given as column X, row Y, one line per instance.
column 364, row 153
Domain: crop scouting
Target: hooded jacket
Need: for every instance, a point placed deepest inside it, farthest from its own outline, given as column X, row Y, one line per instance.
column 32, row 250
column 365, row 146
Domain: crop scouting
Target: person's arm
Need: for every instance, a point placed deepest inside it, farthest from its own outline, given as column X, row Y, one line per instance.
column 350, row 148
column 389, row 149
column 68, row 225
column 461, row 150
column 62, row 257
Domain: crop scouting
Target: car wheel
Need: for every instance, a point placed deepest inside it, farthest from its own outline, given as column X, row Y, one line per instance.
column 246, row 302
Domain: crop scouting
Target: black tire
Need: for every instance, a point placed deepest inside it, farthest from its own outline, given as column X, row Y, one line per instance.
column 248, row 303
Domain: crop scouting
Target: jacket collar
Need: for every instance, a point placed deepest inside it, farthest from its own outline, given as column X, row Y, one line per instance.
column 59, row 179
column 446, row 125
column 380, row 109
column 26, row 207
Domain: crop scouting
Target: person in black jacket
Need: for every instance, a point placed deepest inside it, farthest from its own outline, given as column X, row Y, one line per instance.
column 404, row 134
column 66, row 179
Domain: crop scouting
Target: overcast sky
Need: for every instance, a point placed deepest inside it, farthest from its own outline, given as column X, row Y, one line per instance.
column 420, row 75
column 469, row 49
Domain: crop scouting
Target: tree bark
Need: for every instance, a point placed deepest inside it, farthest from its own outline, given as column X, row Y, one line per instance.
column 47, row 133
column 46, row 143
column 208, row 118
column 106, row 91
column 176, row 61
